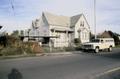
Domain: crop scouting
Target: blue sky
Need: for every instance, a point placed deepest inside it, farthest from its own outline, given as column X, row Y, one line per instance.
column 108, row 12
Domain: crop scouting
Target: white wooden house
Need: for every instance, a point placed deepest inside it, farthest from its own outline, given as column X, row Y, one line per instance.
column 60, row 31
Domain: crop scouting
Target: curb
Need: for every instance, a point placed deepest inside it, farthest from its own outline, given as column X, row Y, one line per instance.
column 54, row 54
column 59, row 53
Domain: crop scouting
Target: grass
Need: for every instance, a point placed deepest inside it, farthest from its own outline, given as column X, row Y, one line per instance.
column 60, row 49
column 117, row 46
column 17, row 56
column 8, row 51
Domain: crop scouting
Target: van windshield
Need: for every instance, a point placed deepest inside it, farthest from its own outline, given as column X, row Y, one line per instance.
column 95, row 40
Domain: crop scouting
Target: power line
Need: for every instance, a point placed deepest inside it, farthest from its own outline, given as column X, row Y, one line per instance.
column 12, row 6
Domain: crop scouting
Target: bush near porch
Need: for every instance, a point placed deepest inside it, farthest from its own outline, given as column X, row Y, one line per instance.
column 14, row 46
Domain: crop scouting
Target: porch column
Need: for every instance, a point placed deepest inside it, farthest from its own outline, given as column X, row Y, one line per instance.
column 67, row 37
column 79, row 34
column 54, row 31
column 54, row 42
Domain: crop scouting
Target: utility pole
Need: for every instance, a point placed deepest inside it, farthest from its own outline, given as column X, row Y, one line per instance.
column 95, row 18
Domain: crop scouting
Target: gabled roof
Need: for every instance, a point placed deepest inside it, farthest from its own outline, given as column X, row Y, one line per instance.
column 61, row 20
column 57, row 20
column 74, row 19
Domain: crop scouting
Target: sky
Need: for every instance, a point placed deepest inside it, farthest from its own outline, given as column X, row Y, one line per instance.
column 107, row 12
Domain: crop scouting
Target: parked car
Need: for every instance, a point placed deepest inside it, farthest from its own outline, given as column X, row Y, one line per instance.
column 99, row 44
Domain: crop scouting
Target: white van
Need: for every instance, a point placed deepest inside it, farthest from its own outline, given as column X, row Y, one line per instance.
column 99, row 44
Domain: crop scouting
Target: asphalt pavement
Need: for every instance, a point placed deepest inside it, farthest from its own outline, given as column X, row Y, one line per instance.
column 79, row 65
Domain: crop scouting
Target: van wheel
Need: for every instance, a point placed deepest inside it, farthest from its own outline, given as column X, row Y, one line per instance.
column 110, row 49
column 96, row 50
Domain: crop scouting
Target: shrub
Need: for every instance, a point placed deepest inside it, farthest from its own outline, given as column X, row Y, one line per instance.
column 14, row 46
column 3, row 41
column 11, row 51
column 46, row 50
column 15, row 51
column 33, row 47
column 77, row 41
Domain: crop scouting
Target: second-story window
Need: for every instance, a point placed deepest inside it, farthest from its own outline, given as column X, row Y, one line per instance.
column 82, row 23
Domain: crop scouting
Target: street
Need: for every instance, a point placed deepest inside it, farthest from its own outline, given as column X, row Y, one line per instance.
column 81, row 65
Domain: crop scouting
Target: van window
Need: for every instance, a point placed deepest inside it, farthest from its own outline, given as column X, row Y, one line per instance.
column 102, row 41
column 109, row 40
column 95, row 40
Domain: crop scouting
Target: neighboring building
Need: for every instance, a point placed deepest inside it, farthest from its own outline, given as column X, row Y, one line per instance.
column 119, row 37
column 110, row 34
column 105, row 34
column 60, row 31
